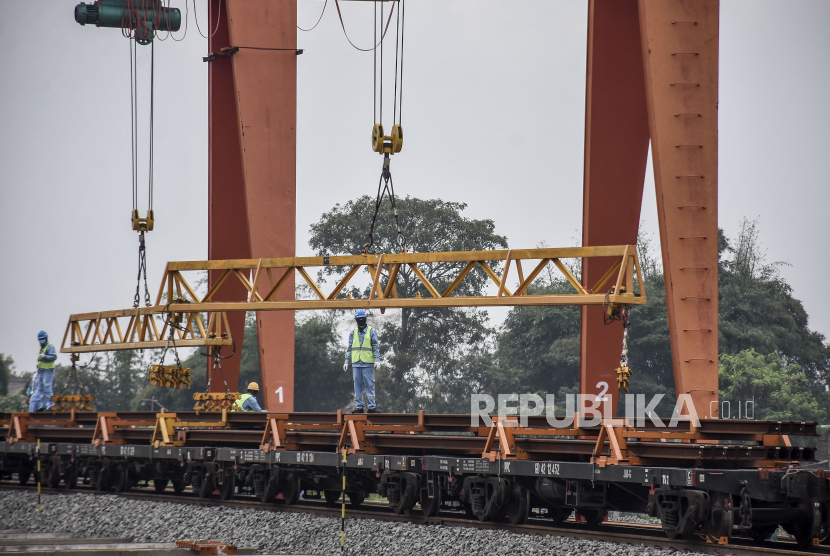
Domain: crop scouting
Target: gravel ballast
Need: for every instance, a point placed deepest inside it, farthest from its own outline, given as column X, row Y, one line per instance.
column 87, row 515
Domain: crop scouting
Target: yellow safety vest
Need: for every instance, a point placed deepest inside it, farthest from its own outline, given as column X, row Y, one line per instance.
column 362, row 353
column 242, row 399
column 45, row 364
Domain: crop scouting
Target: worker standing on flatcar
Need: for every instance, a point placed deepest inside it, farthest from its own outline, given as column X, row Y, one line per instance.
column 364, row 353
column 247, row 402
column 39, row 394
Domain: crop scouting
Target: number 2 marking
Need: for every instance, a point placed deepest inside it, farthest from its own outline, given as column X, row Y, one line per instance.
column 601, row 397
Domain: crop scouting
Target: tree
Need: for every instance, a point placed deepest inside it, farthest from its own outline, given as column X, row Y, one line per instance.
column 429, row 353
column 6, row 366
column 757, row 309
column 319, row 381
column 538, row 347
column 777, row 388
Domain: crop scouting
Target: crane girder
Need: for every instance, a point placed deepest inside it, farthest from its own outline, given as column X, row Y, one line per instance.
column 178, row 305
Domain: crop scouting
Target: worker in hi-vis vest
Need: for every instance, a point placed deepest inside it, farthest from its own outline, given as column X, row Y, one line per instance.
column 247, row 402
column 39, row 393
column 364, row 353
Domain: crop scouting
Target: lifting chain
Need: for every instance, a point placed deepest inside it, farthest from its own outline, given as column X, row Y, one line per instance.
column 214, row 401
column 142, row 273
column 385, row 185
column 623, row 371
column 79, row 401
column 169, row 376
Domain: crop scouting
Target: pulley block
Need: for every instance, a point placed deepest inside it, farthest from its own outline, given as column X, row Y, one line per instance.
column 387, row 144
column 143, row 224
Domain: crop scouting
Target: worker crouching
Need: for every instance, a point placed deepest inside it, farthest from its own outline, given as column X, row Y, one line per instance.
column 364, row 353
column 247, row 402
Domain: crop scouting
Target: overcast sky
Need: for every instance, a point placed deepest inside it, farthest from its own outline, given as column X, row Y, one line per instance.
column 493, row 111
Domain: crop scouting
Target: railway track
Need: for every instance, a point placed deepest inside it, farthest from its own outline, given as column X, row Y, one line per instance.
column 635, row 534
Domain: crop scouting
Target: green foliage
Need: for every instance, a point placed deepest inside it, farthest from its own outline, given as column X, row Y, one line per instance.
column 431, row 356
column 319, row 381
column 757, row 309
column 538, row 348
column 13, row 403
column 112, row 377
column 6, row 371
column 780, row 389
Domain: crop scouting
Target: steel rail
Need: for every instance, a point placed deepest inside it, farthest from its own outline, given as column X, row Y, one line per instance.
column 634, row 534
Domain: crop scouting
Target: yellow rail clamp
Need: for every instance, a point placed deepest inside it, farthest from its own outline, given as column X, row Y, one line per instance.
column 215, row 401
column 169, row 376
column 623, row 374
column 78, row 402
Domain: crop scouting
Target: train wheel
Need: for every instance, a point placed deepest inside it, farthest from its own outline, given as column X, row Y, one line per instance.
column 807, row 528
column 430, row 506
column 70, row 477
column 269, row 493
column 103, row 479
column 718, row 528
column 160, row 485
column 228, row 487
column 122, row 479
column 559, row 514
column 355, row 499
column 593, row 517
column 468, row 510
column 291, row 490
column 178, row 486
column 206, row 487
column 23, row 477
column 51, row 475
column 331, row 496
column 518, row 507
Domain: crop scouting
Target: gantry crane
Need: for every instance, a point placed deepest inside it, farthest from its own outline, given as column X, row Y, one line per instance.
column 652, row 77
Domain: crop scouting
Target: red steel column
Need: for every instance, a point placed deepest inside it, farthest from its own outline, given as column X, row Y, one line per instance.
column 616, row 152
column 265, row 78
column 680, row 49
column 227, row 213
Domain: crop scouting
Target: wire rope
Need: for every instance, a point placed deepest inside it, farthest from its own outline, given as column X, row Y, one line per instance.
column 218, row 18
column 343, row 25
column 318, row 19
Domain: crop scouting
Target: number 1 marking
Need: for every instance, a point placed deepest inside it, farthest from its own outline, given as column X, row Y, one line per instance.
column 279, row 391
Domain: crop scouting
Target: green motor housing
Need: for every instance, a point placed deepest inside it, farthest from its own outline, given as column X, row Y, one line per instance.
column 146, row 17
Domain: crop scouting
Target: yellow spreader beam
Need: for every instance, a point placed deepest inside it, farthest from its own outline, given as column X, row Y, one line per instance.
column 147, row 328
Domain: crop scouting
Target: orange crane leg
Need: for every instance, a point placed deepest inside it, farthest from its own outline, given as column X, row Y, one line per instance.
column 616, row 152
column 253, row 109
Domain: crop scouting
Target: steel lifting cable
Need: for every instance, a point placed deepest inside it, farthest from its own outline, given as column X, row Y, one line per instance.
column 218, row 18
column 142, row 247
column 326, row 3
column 343, row 25
column 73, row 371
column 385, row 186
column 385, row 183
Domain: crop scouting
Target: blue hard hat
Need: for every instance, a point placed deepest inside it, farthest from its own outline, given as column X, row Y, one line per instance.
column 360, row 313
column 42, row 335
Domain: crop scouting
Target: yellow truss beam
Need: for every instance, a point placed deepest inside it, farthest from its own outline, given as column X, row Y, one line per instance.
column 147, row 328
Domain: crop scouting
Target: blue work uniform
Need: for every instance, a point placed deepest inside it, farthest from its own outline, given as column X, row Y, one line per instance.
column 251, row 405
column 40, row 388
column 363, row 373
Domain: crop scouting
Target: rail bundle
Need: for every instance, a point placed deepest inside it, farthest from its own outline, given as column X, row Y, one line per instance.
column 716, row 479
